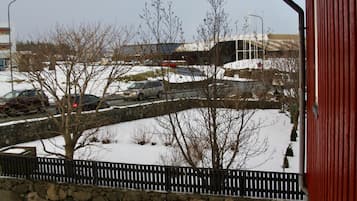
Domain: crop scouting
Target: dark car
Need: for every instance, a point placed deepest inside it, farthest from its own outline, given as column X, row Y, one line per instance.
column 85, row 103
column 23, row 102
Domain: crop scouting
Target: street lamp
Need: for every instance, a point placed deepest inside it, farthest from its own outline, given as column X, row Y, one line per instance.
column 10, row 59
column 236, row 38
column 262, row 20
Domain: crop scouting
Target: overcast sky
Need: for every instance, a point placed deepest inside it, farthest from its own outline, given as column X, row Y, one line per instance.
column 31, row 18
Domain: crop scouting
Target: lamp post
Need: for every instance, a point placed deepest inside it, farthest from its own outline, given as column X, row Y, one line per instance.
column 236, row 38
column 263, row 47
column 10, row 58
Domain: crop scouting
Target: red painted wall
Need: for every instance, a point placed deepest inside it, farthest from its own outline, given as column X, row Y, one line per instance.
column 331, row 146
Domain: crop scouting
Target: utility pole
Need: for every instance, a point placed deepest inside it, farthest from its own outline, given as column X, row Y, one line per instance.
column 10, row 43
column 263, row 47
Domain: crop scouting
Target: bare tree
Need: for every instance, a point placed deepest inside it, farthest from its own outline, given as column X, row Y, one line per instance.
column 214, row 136
column 287, row 85
column 161, row 24
column 70, row 67
column 159, row 34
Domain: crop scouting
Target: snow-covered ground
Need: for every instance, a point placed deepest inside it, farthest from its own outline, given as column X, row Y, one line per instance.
column 275, row 129
column 19, row 82
column 181, row 75
column 95, row 86
column 248, row 64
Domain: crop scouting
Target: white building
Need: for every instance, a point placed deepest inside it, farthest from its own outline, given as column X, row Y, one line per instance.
column 5, row 47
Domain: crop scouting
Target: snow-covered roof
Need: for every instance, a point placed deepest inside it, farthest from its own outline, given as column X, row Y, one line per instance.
column 272, row 42
column 195, row 46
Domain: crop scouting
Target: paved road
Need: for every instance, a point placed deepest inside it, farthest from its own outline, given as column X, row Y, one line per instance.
column 113, row 102
column 117, row 101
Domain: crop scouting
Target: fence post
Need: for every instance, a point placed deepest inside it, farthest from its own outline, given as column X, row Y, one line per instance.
column 70, row 171
column 242, row 182
column 167, row 178
column 95, row 173
column 28, row 167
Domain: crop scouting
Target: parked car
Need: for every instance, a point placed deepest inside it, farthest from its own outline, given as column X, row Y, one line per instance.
column 169, row 64
column 86, row 102
column 23, row 102
column 144, row 89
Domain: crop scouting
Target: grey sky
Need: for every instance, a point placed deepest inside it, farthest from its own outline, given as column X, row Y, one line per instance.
column 32, row 18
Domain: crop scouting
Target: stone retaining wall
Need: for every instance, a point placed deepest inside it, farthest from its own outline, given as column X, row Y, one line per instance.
column 21, row 190
column 34, row 130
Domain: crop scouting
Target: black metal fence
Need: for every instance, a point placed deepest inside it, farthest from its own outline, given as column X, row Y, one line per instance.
column 156, row 178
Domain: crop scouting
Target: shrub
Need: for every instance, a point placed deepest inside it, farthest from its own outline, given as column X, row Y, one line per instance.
column 286, row 163
column 141, row 137
column 93, row 139
column 166, row 144
column 289, row 151
column 106, row 141
column 293, row 135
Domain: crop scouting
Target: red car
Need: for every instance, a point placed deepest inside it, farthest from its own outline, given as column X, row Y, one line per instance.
column 23, row 102
column 169, row 64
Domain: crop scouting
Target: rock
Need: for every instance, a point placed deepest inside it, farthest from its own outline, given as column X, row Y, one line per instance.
column 6, row 184
column 99, row 198
column 21, row 188
column 228, row 199
column 197, row 199
column 135, row 195
column 81, row 196
column 62, row 194
column 112, row 197
column 216, row 198
column 52, row 193
column 33, row 196
column 70, row 191
column 9, row 196
column 41, row 189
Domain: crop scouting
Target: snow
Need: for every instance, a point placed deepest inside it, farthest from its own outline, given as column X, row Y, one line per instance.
column 96, row 85
column 179, row 75
column 275, row 130
column 248, row 64
column 5, row 82
column 14, row 151
column 195, row 46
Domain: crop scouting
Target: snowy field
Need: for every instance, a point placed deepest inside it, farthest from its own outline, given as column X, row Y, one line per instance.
column 275, row 130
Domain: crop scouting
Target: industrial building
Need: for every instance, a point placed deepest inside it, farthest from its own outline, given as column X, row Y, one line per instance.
column 233, row 48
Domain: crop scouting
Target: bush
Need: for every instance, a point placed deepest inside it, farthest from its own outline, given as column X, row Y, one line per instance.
column 289, row 151
column 293, row 135
column 141, row 137
column 166, row 144
column 93, row 139
column 106, row 141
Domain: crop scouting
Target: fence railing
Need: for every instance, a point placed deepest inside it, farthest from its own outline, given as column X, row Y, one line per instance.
column 155, row 178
